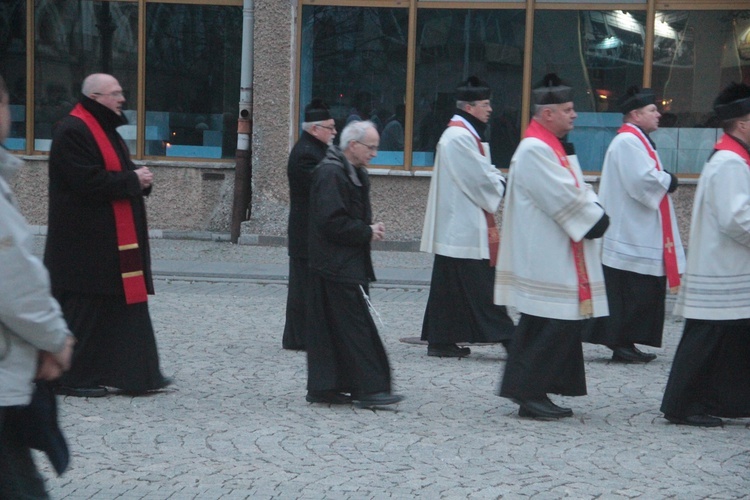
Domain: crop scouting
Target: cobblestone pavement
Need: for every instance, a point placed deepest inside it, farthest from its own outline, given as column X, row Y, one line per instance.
column 236, row 425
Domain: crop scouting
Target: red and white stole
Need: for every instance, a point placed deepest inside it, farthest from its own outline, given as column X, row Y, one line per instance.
column 585, row 307
column 131, row 266
column 670, row 256
column 728, row 143
column 493, row 235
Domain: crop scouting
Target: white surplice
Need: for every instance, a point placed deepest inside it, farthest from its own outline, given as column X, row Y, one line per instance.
column 544, row 210
column 464, row 183
column 716, row 284
column 631, row 189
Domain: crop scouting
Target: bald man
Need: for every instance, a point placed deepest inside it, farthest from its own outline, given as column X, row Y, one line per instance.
column 97, row 247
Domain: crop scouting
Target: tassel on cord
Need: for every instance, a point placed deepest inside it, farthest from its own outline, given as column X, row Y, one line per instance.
column 586, row 308
column 371, row 308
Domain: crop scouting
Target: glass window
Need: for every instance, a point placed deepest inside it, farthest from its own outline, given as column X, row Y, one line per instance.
column 600, row 53
column 75, row 38
column 13, row 64
column 354, row 58
column 193, row 56
column 696, row 55
column 453, row 45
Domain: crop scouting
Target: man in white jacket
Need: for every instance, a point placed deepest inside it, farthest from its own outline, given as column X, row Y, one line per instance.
column 710, row 372
column 35, row 342
column 459, row 228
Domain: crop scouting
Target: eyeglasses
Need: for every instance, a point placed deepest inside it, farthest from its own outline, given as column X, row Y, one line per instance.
column 373, row 149
column 116, row 94
column 329, row 127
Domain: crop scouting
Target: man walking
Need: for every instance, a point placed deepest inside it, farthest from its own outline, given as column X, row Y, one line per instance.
column 710, row 372
column 549, row 265
column 346, row 359
column 318, row 131
column 642, row 252
column 459, row 228
column 97, row 247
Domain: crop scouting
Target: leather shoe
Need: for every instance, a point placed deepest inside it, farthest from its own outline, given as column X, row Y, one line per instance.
column 328, row 397
column 81, row 392
column 377, row 399
column 701, row 420
column 631, row 354
column 542, row 408
column 447, row 351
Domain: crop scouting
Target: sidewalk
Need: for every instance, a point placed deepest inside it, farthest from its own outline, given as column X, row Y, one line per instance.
column 235, row 424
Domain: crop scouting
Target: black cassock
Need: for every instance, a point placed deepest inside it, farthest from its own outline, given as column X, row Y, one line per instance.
column 545, row 357
column 711, row 370
column 636, row 310
column 460, row 307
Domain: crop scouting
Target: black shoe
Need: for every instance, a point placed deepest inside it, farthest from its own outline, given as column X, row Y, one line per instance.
column 542, row 408
column 328, row 397
column 701, row 420
column 165, row 382
column 81, row 392
column 377, row 399
column 447, row 351
column 631, row 355
column 646, row 356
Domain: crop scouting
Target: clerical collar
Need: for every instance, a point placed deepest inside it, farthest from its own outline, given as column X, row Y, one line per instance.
column 741, row 142
column 650, row 140
column 479, row 126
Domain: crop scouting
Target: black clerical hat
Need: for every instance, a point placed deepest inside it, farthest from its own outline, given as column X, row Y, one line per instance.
column 733, row 102
column 317, row 111
column 551, row 90
column 635, row 98
column 473, row 89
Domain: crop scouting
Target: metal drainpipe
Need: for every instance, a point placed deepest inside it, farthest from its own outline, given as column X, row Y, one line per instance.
column 243, row 169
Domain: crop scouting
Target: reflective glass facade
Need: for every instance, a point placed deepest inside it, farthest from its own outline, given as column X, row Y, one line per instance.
column 686, row 55
column 190, row 81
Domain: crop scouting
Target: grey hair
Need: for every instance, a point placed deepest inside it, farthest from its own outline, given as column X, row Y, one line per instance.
column 462, row 104
column 355, row 131
column 307, row 126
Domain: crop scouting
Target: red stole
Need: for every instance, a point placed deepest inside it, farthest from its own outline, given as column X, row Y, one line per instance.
column 729, row 143
column 670, row 256
column 493, row 235
column 131, row 266
column 585, row 307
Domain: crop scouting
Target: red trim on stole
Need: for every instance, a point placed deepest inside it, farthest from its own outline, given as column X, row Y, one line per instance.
column 131, row 265
column 585, row 307
column 670, row 256
column 728, row 143
column 493, row 235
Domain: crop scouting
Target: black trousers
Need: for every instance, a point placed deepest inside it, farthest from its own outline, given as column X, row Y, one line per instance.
column 19, row 478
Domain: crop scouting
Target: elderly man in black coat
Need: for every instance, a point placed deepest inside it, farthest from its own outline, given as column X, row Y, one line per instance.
column 346, row 360
column 97, row 248
column 318, row 131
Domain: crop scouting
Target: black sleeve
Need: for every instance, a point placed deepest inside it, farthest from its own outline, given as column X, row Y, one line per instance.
column 673, row 183
column 599, row 228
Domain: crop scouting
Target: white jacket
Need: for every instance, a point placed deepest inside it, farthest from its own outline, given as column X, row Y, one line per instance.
column 30, row 319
